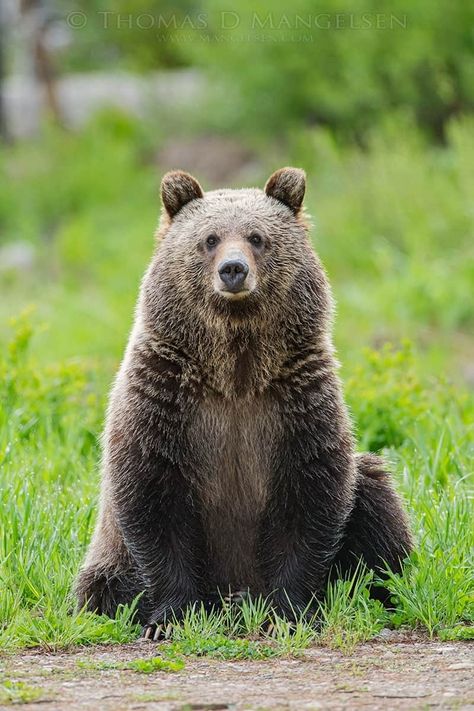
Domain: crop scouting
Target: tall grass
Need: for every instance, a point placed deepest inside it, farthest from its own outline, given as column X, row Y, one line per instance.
column 49, row 424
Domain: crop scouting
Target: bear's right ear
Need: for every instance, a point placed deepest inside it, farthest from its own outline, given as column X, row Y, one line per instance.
column 177, row 189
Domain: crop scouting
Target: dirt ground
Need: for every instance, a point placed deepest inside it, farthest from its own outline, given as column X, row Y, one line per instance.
column 394, row 673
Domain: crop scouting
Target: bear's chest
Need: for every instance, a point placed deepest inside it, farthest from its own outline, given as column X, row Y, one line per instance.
column 234, row 444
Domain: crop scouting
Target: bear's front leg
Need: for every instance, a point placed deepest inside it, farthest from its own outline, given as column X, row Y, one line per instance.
column 160, row 527
column 312, row 494
column 148, row 476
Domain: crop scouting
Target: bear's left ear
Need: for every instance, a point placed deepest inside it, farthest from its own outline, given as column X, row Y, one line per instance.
column 288, row 186
column 177, row 189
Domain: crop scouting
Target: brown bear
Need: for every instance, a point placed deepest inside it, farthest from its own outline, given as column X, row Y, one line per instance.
column 229, row 460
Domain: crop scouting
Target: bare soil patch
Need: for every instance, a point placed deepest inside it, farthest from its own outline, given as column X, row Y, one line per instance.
column 397, row 673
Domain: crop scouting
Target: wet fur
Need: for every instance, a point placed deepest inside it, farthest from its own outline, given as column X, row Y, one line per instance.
column 228, row 452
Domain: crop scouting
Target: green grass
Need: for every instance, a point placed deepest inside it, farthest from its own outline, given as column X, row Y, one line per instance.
column 149, row 665
column 18, row 692
column 49, row 423
column 394, row 225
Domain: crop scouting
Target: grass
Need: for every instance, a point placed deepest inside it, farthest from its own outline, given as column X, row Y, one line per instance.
column 394, row 228
column 150, row 665
column 50, row 420
column 18, row 692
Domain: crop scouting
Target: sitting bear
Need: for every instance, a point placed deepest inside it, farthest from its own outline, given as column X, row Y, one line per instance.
column 229, row 459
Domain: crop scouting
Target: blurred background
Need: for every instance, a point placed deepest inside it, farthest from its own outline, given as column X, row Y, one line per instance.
column 373, row 99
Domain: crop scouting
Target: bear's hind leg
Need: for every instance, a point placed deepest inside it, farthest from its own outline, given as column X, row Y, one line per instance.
column 377, row 531
column 102, row 590
column 108, row 577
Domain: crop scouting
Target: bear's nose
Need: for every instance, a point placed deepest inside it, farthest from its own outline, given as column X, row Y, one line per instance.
column 233, row 273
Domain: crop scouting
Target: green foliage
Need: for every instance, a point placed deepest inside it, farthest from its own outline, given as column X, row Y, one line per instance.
column 253, row 615
column 49, row 425
column 429, row 428
column 437, row 587
column 276, row 68
column 88, row 207
column 458, row 633
column 148, row 665
column 45, row 185
column 126, row 35
column 219, row 634
column 348, row 614
column 355, row 63
column 17, row 692
column 394, row 229
column 221, row 646
column 392, row 414
column 384, row 414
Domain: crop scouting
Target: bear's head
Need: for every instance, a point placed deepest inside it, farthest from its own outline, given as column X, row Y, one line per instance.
column 233, row 239
column 230, row 259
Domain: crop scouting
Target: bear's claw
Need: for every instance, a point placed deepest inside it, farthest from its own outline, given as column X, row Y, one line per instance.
column 156, row 632
column 237, row 597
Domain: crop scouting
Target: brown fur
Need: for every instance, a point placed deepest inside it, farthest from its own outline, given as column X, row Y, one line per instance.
column 234, row 491
column 228, row 452
column 288, row 186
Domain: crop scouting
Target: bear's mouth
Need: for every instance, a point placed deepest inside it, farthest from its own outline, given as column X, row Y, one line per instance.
column 234, row 295
column 241, row 304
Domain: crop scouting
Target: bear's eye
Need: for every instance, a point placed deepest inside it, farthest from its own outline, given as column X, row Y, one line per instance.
column 212, row 240
column 256, row 239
